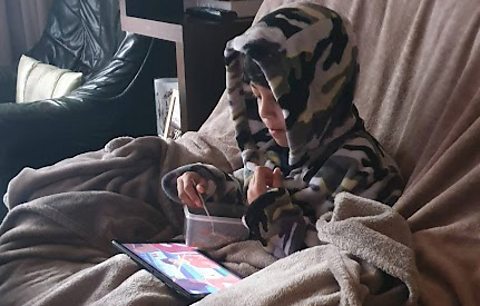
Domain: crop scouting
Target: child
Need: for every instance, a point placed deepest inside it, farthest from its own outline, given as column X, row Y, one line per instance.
column 290, row 82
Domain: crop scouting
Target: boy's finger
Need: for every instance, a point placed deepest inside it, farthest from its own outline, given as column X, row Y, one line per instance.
column 259, row 178
column 200, row 188
column 181, row 192
column 182, row 187
column 252, row 181
column 192, row 193
column 263, row 176
column 201, row 185
column 277, row 179
column 179, row 187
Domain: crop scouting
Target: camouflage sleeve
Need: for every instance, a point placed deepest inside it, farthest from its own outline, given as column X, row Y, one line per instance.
column 222, row 187
column 275, row 221
column 359, row 167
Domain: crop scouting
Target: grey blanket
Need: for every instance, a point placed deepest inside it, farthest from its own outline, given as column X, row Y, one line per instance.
column 55, row 242
column 366, row 259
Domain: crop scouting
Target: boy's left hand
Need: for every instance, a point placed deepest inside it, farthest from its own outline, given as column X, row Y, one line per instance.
column 263, row 179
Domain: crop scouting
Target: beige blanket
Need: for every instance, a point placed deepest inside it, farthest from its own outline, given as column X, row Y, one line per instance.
column 365, row 259
column 419, row 92
column 55, row 242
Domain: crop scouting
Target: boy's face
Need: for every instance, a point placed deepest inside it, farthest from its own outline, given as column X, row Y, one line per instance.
column 271, row 114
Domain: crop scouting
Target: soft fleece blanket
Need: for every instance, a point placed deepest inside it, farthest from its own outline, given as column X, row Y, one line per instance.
column 55, row 243
column 420, row 96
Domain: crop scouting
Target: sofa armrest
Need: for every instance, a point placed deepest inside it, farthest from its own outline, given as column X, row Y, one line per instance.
column 8, row 82
column 41, row 132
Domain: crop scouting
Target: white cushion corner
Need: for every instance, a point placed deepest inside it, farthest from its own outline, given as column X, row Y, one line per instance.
column 39, row 81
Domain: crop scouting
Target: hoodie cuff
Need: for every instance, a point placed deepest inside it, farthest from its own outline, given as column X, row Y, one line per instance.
column 262, row 212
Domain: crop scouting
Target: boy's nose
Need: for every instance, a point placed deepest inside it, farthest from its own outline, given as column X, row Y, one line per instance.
column 267, row 107
column 266, row 111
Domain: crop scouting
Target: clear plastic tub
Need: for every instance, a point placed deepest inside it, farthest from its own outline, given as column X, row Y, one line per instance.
column 222, row 227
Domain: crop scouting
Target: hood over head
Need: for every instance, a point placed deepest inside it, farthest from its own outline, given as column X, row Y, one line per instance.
column 309, row 59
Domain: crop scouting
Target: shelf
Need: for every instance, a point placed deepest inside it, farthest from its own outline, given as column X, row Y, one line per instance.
column 152, row 28
column 199, row 45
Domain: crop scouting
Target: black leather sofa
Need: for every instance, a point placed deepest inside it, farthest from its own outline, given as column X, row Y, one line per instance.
column 116, row 98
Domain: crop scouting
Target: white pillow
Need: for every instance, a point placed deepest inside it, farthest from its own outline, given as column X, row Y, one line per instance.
column 38, row 81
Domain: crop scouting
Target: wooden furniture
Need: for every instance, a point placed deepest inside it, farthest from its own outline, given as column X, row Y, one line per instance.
column 199, row 47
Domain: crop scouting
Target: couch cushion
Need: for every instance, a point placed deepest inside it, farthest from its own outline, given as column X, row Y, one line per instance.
column 38, row 81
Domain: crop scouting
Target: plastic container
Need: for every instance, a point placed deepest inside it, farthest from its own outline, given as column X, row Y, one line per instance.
column 222, row 227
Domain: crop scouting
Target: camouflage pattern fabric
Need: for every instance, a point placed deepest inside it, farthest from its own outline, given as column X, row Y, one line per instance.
column 309, row 58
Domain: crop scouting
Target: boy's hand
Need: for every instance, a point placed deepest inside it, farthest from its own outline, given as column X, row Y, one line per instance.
column 190, row 186
column 263, row 179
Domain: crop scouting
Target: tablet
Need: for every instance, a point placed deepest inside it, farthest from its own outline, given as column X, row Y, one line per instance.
column 185, row 269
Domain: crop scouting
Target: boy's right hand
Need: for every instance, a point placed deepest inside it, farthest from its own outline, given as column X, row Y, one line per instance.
column 263, row 179
column 190, row 186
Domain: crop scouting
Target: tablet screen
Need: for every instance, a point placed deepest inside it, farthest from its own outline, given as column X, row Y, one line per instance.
column 184, row 265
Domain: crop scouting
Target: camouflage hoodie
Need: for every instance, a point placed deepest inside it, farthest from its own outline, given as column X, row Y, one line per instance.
column 309, row 59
